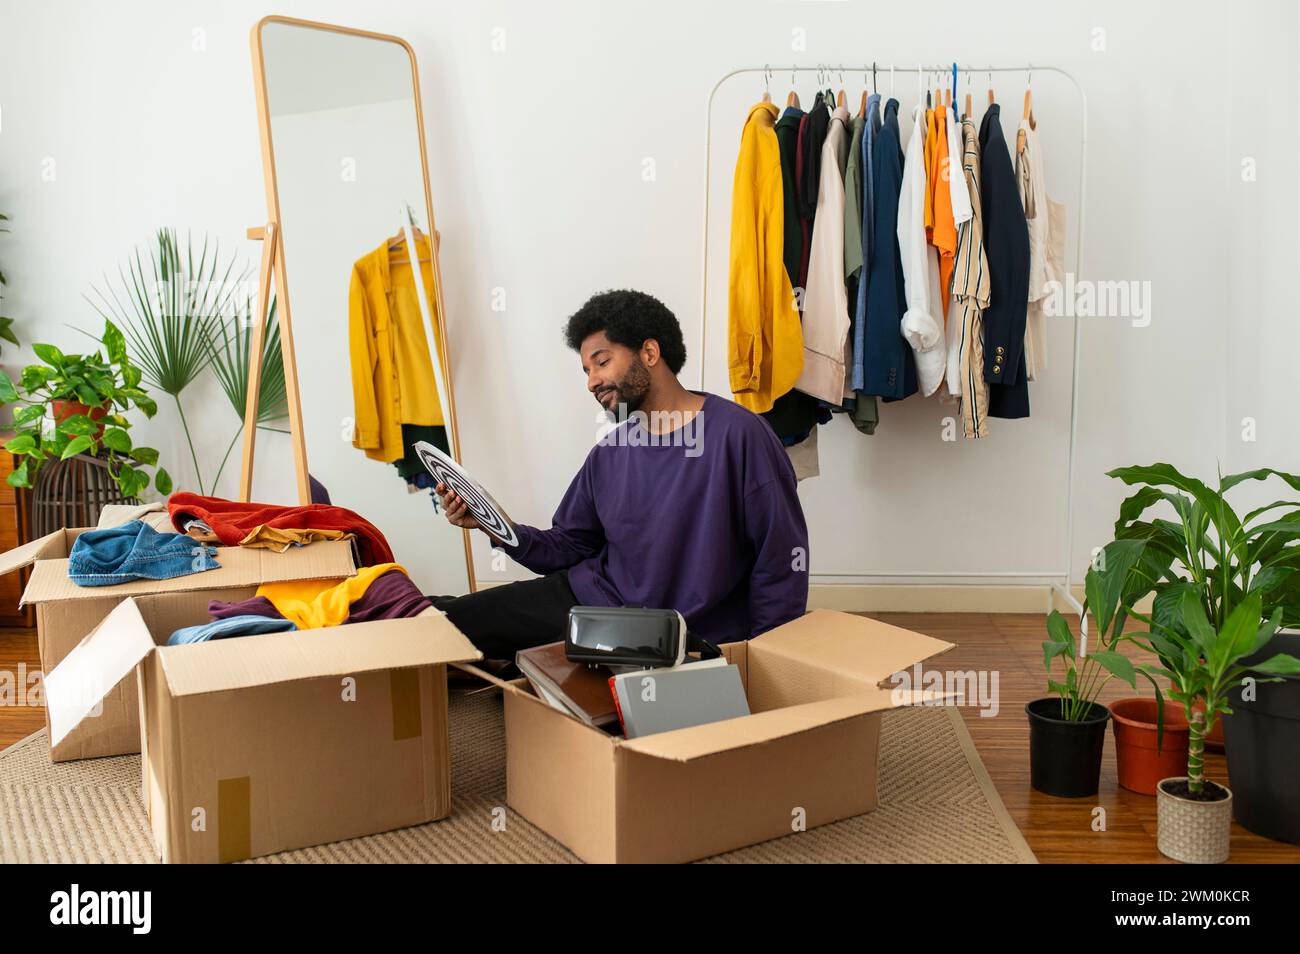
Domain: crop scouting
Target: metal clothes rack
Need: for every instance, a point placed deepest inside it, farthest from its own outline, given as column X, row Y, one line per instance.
column 1062, row 581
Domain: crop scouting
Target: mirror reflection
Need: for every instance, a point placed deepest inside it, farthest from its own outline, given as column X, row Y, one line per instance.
column 354, row 216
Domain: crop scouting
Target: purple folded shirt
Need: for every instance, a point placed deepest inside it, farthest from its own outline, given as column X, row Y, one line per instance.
column 253, row 606
column 391, row 596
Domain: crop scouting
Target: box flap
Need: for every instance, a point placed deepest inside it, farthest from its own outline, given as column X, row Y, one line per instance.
column 108, row 654
column 240, row 566
column 50, row 546
column 684, row 745
column 272, row 658
column 852, row 645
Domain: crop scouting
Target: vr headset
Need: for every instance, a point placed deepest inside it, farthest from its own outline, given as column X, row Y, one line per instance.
column 631, row 636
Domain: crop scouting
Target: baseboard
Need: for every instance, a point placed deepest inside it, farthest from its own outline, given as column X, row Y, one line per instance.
column 927, row 598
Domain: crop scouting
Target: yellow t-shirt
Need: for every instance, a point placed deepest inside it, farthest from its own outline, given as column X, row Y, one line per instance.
column 315, row 603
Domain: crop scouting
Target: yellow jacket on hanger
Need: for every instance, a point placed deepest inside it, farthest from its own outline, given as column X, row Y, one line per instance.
column 392, row 368
column 764, row 337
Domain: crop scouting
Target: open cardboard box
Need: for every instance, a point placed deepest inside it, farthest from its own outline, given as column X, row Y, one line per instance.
column 66, row 612
column 805, row 756
column 257, row 744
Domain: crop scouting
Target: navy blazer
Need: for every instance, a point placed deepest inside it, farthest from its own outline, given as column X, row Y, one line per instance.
column 888, row 365
column 1006, row 243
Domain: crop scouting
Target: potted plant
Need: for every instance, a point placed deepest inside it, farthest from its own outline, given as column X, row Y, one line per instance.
column 1194, row 815
column 1067, row 731
column 1263, row 723
column 85, row 395
column 6, row 324
column 231, row 345
column 1223, row 558
column 172, row 300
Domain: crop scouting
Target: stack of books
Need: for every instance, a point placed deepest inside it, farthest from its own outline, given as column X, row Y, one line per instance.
column 635, row 702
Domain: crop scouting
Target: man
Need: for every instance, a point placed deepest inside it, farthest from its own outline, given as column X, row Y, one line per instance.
column 689, row 503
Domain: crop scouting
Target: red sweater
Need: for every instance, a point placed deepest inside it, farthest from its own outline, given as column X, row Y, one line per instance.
column 232, row 520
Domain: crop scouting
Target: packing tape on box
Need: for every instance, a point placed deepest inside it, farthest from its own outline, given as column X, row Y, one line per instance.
column 405, row 692
column 234, row 819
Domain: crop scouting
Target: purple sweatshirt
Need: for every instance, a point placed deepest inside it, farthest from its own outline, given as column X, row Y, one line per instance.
column 704, row 520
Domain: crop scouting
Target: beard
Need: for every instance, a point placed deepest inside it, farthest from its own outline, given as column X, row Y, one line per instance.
column 631, row 391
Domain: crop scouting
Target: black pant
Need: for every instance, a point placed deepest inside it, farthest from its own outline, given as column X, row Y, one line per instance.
column 501, row 620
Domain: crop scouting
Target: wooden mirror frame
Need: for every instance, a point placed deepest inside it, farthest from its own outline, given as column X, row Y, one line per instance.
column 273, row 266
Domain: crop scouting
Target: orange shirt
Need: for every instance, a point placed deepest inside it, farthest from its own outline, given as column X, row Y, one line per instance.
column 930, row 152
column 943, row 235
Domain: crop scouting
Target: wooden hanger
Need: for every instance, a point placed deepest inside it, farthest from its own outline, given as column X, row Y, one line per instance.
column 991, row 88
column 398, row 241
column 1027, row 115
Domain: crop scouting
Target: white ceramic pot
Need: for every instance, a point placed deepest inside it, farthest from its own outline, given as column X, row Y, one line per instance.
column 1192, row 831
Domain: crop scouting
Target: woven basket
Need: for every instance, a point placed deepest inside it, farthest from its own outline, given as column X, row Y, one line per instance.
column 1194, row 832
column 72, row 492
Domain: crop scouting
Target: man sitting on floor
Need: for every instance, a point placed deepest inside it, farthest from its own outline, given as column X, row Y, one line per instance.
column 688, row 503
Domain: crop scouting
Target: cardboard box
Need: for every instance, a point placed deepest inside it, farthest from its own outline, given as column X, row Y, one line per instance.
column 66, row 612
column 258, row 744
column 806, row 755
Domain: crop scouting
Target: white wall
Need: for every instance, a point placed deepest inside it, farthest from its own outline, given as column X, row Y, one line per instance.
column 537, row 153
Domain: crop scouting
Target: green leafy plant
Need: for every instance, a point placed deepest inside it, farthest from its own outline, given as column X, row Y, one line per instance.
column 1222, row 584
column 232, row 346
column 1203, row 663
column 110, row 382
column 6, row 324
column 1087, row 671
column 170, row 301
column 1209, row 549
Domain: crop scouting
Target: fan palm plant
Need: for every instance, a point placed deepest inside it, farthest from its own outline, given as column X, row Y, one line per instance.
column 231, row 346
column 6, row 324
column 169, row 303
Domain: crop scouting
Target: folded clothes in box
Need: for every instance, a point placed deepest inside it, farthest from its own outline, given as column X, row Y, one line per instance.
column 66, row 612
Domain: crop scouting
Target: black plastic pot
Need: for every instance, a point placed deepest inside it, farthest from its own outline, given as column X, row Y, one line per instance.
column 1065, row 756
column 1263, row 741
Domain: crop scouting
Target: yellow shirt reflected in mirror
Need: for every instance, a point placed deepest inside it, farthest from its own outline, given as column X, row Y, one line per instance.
column 392, row 367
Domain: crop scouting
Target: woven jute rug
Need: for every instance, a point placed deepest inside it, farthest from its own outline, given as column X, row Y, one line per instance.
column 937, row 804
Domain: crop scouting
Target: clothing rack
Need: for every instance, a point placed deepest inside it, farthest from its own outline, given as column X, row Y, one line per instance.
column 1062, row 585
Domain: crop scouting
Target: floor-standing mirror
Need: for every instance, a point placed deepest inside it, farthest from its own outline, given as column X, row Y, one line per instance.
column 350, row 210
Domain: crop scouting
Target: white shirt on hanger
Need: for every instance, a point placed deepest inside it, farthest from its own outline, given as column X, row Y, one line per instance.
column 920, row 267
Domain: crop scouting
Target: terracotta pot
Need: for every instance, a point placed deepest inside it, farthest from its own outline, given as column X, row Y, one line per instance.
column 1214, row 742
column 1192, row 831
column 66, row 409
column 1141, row 766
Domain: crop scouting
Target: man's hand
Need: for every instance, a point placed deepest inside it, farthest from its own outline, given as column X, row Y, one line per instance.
column 457, row 511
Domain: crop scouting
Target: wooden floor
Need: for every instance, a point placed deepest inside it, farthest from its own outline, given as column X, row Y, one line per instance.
column 1057, row 829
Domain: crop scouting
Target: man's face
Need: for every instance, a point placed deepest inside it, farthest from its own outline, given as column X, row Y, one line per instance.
column 615, row 373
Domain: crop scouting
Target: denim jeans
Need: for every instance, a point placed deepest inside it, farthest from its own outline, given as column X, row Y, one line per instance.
column 135, row 551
